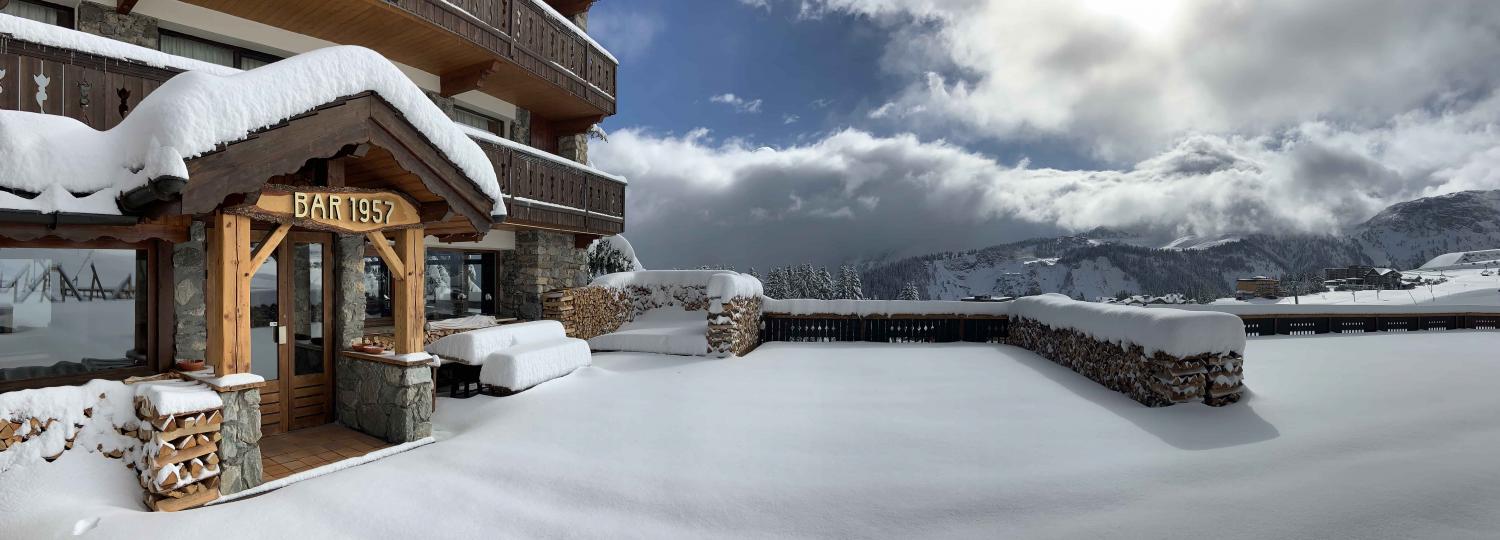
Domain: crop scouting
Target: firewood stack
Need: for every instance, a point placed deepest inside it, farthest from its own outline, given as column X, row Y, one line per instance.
column 1154, row 380
column 179, row 468
column 736, row 329
column 587, row 311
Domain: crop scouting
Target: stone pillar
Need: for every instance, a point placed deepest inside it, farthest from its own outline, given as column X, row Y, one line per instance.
column 542, row 261
column 188, row 278
column 574, row 147
column 239, row 451
column 349, row 298
column 388, row 401
column 520, row 130
column 135, row 29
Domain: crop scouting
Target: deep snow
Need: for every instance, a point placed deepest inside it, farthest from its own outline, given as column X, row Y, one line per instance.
column 1369, row 436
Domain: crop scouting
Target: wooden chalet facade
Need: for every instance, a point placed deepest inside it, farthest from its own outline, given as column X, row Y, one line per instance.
column 285, row 246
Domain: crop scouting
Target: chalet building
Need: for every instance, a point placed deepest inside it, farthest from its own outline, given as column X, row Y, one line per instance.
column 1257, row 287
column 1361, row 277
column 214, row 180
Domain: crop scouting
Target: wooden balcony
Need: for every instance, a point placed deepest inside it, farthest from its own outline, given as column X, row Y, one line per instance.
column 511, row 49
column 541, row 190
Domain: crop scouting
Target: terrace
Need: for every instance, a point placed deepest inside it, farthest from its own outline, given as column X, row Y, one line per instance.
column 1342, row 436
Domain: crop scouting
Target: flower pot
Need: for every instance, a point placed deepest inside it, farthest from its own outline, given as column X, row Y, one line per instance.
column 190, row 365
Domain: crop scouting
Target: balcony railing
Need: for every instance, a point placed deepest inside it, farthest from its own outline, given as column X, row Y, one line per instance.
column 529, row 35
column 545, row 191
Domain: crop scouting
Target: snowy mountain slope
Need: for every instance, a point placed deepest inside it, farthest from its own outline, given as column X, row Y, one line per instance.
column 1105, row 262
column 1405, row 235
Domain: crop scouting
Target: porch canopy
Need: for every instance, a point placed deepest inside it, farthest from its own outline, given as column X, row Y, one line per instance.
column 336, row 140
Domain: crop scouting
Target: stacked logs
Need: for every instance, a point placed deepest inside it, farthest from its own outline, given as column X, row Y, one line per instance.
column 735, row 330
column 15, row 432
column 179, row 468
column 587, row 312
column 1154, row 380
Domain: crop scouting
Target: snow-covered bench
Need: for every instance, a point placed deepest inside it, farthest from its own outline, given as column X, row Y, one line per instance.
column 687, row 312
column 513, row 357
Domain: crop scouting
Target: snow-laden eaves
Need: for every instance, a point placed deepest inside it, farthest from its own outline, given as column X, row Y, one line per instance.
column 197, row 111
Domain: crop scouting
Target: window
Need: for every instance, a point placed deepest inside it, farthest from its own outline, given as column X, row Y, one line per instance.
column 458, row 284
column 478, row 121
column 71, row 311
column 40, row 11
column 212, row 52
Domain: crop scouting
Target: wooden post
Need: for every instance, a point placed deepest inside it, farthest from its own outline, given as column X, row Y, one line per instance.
column 411, row 315
column 228, row 294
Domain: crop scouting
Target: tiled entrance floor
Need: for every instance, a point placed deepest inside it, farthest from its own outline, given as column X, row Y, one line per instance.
column 285, row 454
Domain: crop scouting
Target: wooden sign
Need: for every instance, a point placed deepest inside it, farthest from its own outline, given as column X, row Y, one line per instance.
column 346, row 210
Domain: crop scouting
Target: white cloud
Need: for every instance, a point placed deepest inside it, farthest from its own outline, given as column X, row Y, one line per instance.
column 850, row 194
column 790, row 118
column 757, row 4
column 739, row 104
column 1128, row 77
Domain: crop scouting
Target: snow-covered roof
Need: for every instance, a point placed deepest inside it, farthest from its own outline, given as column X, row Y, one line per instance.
column 196, row 112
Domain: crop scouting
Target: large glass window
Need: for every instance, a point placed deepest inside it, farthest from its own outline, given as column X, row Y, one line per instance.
column 71, row 311
column 212, row 51
column 40, row 11
column 458, row 284
column 478, row 121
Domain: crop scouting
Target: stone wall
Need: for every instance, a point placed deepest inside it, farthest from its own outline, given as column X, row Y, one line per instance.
column 589, row 311
column 735, row 330
column 520, row 129
column 239, row 451
column 349, row 297
column 542, row 261
column 189, row 277
column 385, row 400
column 574, row 147
column 135, row 29
column 1155, row 380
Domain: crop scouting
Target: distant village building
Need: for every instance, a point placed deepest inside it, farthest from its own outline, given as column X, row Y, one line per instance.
column 1361, row 277
column 1257, row 287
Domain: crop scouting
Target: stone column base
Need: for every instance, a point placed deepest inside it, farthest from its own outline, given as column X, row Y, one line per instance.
column 240, row 450
column 383, row 400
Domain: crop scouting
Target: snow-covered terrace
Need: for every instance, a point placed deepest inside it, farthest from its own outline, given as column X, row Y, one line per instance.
column 1375, row 436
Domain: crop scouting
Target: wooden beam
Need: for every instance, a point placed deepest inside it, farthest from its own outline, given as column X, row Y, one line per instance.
column 267, row 247
column 468, row 78
column 393, row 262
column 228, row 294
column 411, row 304
column 122, row 7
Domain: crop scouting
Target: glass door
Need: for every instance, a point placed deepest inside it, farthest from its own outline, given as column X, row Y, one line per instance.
column 290, row 303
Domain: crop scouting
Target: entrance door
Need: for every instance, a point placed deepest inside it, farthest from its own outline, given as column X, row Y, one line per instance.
column 291, row 300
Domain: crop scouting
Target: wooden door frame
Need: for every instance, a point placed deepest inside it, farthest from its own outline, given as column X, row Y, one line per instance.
column 286, row 383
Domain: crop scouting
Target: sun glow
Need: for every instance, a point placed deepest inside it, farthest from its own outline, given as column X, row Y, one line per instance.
column 1148, row 16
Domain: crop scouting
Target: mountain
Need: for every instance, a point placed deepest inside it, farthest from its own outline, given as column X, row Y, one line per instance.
column 1405, row 235
column 1105, row 262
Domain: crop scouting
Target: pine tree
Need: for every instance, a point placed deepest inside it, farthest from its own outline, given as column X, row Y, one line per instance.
column 801, row 281
column 909, row 292
column 850, row 287
column 821, row 285
column 776, row 283
column 605, row 258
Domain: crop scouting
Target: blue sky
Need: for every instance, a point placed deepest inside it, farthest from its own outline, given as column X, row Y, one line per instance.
column 920, row 126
